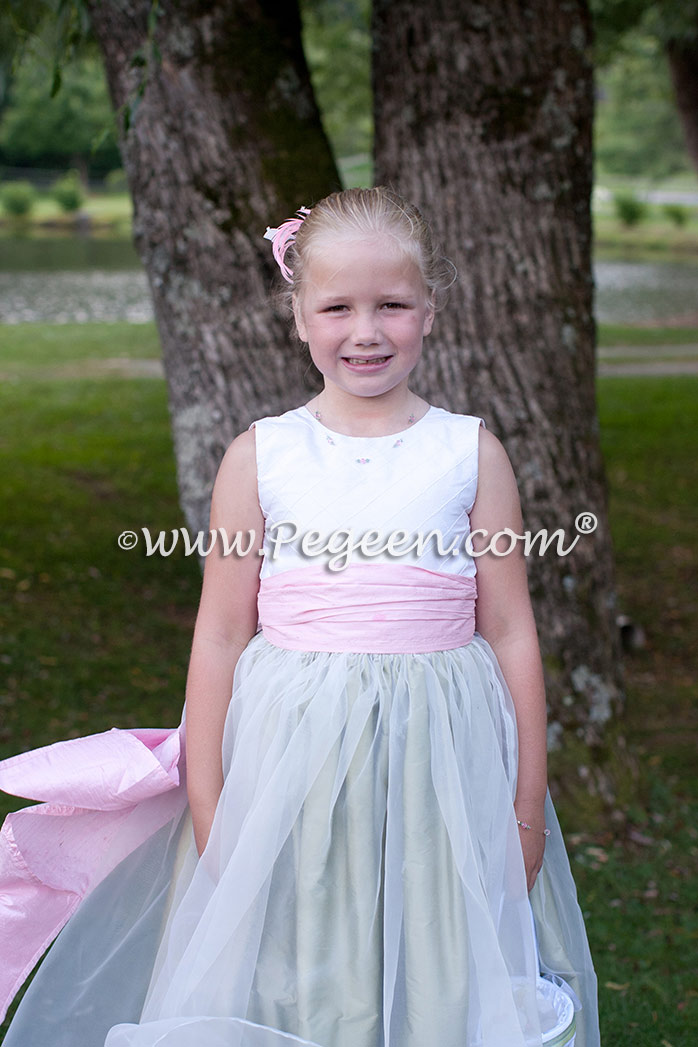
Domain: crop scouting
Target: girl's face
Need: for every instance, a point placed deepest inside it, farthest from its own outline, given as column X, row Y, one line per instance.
column 363, row 310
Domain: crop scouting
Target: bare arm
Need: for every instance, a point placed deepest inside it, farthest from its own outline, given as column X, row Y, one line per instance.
column 504, row 617
column 226, row 622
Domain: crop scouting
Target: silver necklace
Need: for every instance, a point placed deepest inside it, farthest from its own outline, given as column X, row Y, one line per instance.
column 410, row 421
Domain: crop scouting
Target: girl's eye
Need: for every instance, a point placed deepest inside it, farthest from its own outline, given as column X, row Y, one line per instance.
column 394, row 305
column 335, row 308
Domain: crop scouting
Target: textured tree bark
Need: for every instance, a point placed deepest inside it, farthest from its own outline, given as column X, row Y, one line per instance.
column 483, row 116
column 225, row 140
column 683, row 63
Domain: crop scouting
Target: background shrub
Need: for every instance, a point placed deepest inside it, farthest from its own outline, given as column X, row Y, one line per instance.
column 18, row 198
column 115, row 181
column 676, row 213
column 67, row 191
column 629, row 209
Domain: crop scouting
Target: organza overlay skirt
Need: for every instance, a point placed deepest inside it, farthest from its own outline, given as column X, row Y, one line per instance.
column 363, row 885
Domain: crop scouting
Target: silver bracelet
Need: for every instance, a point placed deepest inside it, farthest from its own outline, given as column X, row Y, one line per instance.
column 525, row 825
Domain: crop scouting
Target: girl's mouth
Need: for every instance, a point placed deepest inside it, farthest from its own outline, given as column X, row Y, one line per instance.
column 360, row 361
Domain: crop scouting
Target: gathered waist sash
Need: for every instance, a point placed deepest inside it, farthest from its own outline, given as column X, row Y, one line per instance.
column 367, row 608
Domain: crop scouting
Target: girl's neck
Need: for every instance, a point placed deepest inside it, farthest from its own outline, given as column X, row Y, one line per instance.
column 367, row 415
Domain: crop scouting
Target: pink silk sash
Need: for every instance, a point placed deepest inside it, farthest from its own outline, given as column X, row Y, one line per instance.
column 104, row 795
column 367, row 608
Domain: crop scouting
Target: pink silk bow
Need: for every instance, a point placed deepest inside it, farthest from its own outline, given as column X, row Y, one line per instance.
column 283, row 237
column 103, row 796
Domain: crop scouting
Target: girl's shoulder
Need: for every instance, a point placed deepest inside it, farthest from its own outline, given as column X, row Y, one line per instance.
column 454, row 430
column 452, row 418
column 296, row 416
column 238, row 464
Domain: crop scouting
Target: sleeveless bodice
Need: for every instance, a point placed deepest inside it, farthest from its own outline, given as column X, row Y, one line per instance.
column 419, row 482
column 365, row 543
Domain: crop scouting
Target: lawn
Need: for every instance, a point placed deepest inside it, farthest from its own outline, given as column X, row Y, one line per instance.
column 92, row 636
column 640, row 888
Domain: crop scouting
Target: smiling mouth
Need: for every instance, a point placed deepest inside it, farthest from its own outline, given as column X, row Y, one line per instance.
column 363, row 360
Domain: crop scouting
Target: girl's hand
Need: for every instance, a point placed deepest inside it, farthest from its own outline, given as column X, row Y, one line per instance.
column 533, row 848
column 533, row 839
column 202, row 820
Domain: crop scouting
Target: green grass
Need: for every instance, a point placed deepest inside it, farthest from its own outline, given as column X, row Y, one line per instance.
column 92, row 636
column 654, row 236
column 625, row 334
column 641, row 891
column 29, row 349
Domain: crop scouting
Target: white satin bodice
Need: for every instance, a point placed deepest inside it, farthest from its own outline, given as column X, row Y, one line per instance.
column 418, row 481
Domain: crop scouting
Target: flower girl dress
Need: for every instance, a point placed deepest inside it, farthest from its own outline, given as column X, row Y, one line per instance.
column 363, row 885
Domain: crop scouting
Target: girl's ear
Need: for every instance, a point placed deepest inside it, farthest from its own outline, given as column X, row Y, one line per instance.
column 429, row 317
column 298, row 317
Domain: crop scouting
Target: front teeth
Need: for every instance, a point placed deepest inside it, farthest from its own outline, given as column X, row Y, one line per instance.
column 375, row 360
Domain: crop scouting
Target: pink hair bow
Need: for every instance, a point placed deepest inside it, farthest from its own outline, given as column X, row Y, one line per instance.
column 283, row 237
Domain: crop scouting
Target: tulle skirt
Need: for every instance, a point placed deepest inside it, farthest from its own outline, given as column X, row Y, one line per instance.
column 363, row 885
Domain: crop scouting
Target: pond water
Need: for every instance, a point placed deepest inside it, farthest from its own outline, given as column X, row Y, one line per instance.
column 72, row 296
column 71, row 279
column 93, row 279
column 644, row 292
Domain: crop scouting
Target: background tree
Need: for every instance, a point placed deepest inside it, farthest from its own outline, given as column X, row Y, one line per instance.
column 637, row 129
column 337, row 41
column 674, row 23
column 220, row 136
column 483, row 115
column 62, row 131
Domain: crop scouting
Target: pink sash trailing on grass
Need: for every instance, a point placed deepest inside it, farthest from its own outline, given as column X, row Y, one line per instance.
column 103, row 796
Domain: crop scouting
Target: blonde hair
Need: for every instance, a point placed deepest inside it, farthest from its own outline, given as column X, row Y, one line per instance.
column 369, row 213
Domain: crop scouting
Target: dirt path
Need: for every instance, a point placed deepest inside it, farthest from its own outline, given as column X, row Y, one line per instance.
column 613, row 360
column 651, row 367
column 650, row 352
column 648, row 360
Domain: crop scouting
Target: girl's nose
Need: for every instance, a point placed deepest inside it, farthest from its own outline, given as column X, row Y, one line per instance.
column 366, row 329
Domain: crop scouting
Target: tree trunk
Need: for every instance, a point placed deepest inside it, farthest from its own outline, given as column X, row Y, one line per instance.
column 225, row 140
column 683, row 63
column 483, row 116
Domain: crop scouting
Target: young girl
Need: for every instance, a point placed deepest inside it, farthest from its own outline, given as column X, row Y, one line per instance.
column 369, row 810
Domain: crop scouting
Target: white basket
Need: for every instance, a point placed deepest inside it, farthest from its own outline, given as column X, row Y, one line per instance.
column 556, row 1008
column 557, row 1003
